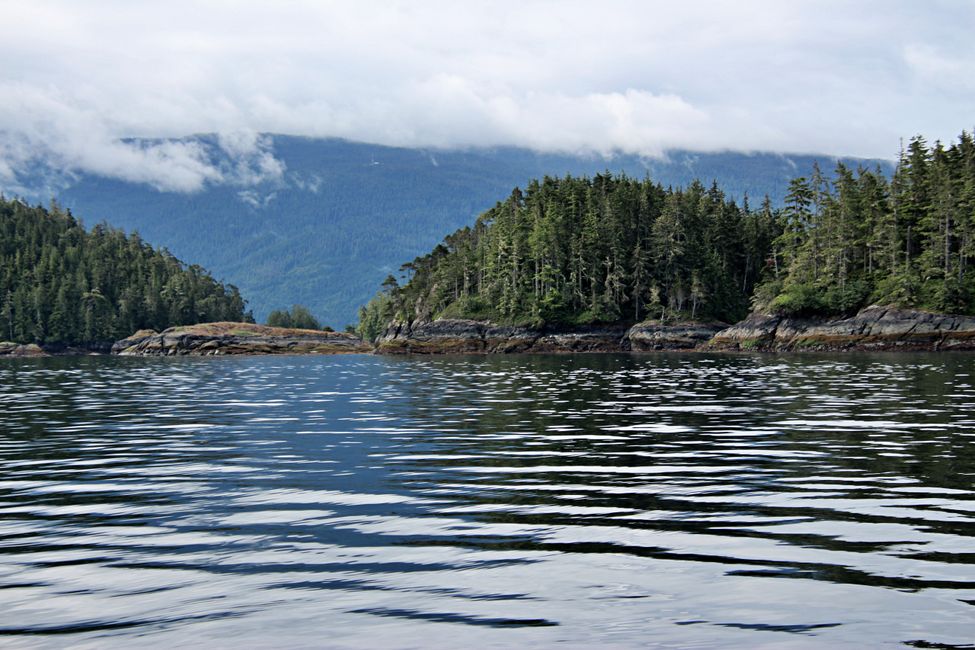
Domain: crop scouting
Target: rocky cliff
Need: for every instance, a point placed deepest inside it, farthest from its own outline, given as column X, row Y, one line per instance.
column 874, row 328
column 479, row 337
column 210, row 339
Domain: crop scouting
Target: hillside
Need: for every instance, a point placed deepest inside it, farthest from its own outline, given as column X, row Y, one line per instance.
column 856, row 239
column 63, row 285
column 611, row 250
column 580, row 252
column 344, row 215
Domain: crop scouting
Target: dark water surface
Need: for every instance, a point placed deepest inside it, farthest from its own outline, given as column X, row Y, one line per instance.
column 573, row 501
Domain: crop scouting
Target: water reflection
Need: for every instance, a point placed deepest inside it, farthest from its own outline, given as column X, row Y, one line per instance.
column 677, row 500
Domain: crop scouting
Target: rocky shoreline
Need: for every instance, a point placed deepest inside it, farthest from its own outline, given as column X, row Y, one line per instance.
column 215, row 339
column 874, row 328
column 9, row 349
column 458, row 336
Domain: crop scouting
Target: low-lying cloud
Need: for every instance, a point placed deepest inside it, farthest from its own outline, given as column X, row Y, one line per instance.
column 42, row 128
column 110, row 88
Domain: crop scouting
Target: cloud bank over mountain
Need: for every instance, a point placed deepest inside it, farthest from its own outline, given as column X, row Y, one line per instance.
column 80, row 79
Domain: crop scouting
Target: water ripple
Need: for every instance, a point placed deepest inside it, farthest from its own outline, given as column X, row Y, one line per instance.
column 611, row 500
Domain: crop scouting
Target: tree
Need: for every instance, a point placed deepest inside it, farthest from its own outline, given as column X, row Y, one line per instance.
column 299, row 317
column 62, row 284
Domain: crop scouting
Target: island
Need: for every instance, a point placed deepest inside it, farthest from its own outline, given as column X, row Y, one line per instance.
column 853, row 261
column 230, row 338
column 856, row 261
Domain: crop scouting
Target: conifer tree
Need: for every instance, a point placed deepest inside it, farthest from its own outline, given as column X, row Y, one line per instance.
column 60, row 284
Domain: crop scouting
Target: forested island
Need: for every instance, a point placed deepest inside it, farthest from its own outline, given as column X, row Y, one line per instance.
column 62, row 285
column 611, row 251
column 67, row 289
column 855, row 259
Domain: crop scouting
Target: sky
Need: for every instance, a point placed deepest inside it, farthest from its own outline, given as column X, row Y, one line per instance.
column 844, row 78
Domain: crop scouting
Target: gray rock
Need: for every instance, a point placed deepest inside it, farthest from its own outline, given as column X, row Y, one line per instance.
column 480, row 337
column 656, row 335
column 8, row 349
column 873, row 328
column 211, row 339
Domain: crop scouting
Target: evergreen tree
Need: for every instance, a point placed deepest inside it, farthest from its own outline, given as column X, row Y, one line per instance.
column 298, row 317
column 60, row 284
column 609, row 249
column 587, row 250
column 905, row 243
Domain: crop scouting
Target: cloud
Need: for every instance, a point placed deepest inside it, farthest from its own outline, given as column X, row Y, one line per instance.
column 249, row 159
column 255, row 199
column 42, row 127
column 80, row 80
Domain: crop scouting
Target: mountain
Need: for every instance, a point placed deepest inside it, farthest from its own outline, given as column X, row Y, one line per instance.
column 343, row 215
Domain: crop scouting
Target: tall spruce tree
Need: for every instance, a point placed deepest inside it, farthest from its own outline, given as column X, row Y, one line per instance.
column 62, row 284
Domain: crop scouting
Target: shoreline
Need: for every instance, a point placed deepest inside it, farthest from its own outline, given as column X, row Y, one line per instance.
column 907, row 351
column 873, row 329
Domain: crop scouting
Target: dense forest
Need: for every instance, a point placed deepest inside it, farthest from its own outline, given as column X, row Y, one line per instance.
column 344, row 215
column 62, row 284
column 298, row 317
column 572, row 251
column 858, row 239
column 577, row 251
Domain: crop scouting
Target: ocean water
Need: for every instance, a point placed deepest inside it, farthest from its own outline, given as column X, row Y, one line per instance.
column 570, row 501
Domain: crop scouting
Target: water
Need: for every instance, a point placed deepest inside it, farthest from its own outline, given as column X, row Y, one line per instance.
column 621, row 501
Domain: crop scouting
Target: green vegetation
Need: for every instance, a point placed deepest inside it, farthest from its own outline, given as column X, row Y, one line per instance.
column 60, row 284
column 346, row 214
column 577, row 251
column 609, row 249
column 860, row 239
column 297, row 318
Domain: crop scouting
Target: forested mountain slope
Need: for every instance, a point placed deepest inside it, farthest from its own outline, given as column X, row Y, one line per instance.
column 61, row 284
column 344, row 215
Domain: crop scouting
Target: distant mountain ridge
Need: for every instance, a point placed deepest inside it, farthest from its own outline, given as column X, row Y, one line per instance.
column 344, row 214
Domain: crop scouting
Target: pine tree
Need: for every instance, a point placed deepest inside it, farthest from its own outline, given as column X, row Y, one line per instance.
column 63, row 285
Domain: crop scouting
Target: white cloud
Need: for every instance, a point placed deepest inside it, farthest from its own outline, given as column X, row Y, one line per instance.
column 829, row 76
column 249, row 158
column 41, row 125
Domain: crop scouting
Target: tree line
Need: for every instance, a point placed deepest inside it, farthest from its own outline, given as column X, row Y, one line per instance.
column 298, row 317
column 63, row 284
column 860, row 238
column 611, row 249
column 576, row 251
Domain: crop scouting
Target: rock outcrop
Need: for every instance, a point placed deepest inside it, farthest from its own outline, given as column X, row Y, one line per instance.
column 656, row 335
column 459, row 336
column 8, row 349
column 874, row 328
column 210, row 339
